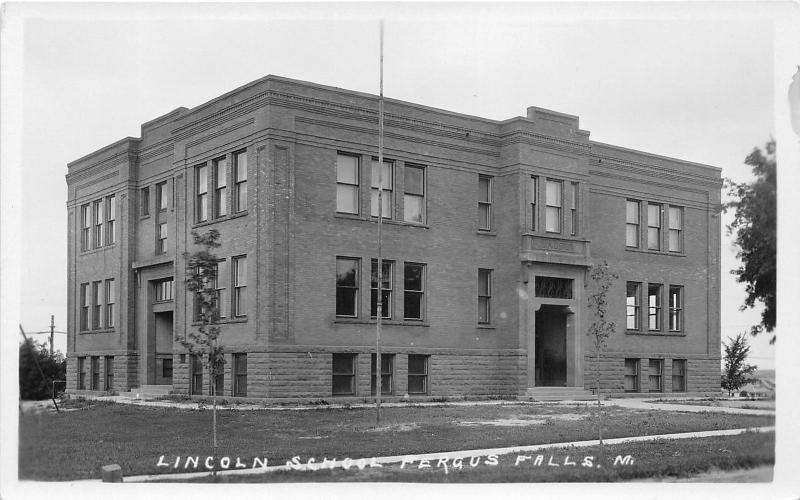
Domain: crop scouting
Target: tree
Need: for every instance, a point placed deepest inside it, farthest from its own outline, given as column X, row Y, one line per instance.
column 600, row 329
column 736, row 372
column 754, row 224
column 31, row 383
column 201, row 279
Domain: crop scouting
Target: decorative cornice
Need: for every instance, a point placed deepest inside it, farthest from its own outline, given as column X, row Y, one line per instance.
column 639, row 180
column 220, row 132
column 517, row 136
column 649, row 170
column 94, row 181
column 98, row 167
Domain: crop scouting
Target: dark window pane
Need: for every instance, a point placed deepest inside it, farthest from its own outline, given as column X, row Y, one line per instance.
column 346, row 272
column 412, row 305
column 345, row 302
column 412, row 277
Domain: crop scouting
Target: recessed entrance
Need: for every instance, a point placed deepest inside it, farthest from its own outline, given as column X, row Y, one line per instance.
column 162, row 361
column 551, row 346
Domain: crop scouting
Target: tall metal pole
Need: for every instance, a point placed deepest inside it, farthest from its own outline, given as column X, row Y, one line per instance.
column 378, row 377
column 52, row 330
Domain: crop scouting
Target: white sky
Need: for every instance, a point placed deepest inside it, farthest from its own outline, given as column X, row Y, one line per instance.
column 693, row 84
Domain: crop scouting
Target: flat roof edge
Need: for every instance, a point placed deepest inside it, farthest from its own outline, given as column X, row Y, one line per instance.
column 104, row 149
column 653, row 155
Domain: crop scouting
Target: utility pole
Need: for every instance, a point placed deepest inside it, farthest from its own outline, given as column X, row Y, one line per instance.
column 52, row 331
column 378, row 377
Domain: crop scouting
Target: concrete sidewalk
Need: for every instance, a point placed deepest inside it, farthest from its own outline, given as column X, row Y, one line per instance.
column 640, row 404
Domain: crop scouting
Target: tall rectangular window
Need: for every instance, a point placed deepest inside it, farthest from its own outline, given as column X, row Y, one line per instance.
column 86, row 227
column 110, row 294
column 414, row 195
column 678, row 375
column 633, row 306
column 675, row 229
column 553, row 208
column 654, row 306
column 84, row 307
column 343, row 375
column 387, row 374
column 239, row 265
column 347, row 280
column 97, row 305
column 240, row 375
column 347, row 177
column 386, row 289
column 109, row 369
column 573, row 209
column 675, row 308
column 414, row 291
column 220, row 187
column 95, row 373
column 418, row 373
column 654, row 376
column 632, row 375
column 219, row 285
column 111, row 215
column 81, row 373
column 144, row 201
column 632, row 223
column 162, row 199
column 201, row 193
column 161, row 243
column 484, row 296
column 240, row 186
column 387, row 180
column 533, row 186
column 97, row 215
column 196, row 370
column 653, row 226
column 484, row 203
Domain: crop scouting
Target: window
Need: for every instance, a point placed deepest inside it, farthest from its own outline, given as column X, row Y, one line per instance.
column 553, row 206
column 347, row 184
column 418, row 373
column 110, row 294
column 162, row 201
column 675, row 229
column 414, row 196
column 109, row 369
column 347, row 287
column 161, row 243
column 631, row 375
column 81, row 373
column 675, row 308
column 654, row 306
column 387, row 372
column 386, row 289
column 632, row 305
column 678, row 375
column 534, row 196
column 552, row 287
column 163, row 290
column 84, row 306
column 239, row 286
column 484, row 296
column 111, row 215
column 344, row 374
column 387, row 180
column 484, row 203
column 222, row 296
column 144, row 201
column 220, row 187
column 240, row 179
column 86, row 225
column 414, row 291
column 166, row 368
column 201, row 196
column 240, row 375
column 97, row 305
column 653, row 227
column 197, row 375
column 97, row 216
column 573, row 209
column 95, row 373
column 632, row 224
column 656, row 367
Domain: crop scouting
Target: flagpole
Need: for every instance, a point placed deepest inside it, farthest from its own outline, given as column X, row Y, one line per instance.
column 378, row 377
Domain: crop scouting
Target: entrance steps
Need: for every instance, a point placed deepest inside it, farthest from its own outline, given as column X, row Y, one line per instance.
column 559, row 394
column 147, row 391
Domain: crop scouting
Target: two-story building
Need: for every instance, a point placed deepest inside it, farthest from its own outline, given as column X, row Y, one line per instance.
column 489, row 230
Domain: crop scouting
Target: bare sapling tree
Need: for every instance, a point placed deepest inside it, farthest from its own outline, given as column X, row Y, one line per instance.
column 201, row 280
column 599, row 330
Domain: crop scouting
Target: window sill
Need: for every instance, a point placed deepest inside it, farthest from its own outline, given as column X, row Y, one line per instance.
column 100, row 330
column 486, row 232
column 392, row 322
column 374, row 220
column 655, row 334
column 220, row 219
column 99, row 249
column 223, row 321
column 655, row 252
column 486, row 327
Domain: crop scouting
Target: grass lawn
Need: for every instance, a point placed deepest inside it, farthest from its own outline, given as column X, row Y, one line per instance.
column 75, row 444
column 656, row 459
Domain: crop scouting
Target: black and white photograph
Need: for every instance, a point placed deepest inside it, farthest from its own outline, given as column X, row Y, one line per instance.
column 453, row 249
